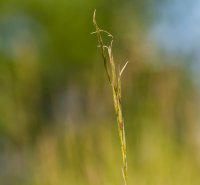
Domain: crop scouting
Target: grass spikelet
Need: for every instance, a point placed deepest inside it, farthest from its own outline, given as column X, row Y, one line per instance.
column 114, row 78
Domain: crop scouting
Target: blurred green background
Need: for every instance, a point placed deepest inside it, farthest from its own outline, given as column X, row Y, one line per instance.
column 57, row 123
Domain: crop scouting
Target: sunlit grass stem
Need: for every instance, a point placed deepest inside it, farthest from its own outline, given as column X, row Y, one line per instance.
column 114, row 78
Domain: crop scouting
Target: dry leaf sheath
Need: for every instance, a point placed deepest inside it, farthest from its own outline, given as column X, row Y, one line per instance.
column 114, row 78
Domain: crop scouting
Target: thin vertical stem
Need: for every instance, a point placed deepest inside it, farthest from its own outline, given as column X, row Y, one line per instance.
column 115, row 82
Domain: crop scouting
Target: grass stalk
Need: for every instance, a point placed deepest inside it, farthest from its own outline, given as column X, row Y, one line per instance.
column 114, row 78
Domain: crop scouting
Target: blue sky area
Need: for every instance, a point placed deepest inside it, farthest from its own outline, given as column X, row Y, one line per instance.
column 177, row 31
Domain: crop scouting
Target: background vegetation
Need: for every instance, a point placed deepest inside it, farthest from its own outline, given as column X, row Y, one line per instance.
column 57, row 123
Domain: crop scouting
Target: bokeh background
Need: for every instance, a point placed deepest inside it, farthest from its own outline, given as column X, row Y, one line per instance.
column 57, row 123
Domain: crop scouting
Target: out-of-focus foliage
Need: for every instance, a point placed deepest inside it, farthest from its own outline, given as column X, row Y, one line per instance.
column 57, row 123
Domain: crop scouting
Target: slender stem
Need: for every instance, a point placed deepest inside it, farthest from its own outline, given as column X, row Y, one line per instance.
column 115, row 82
